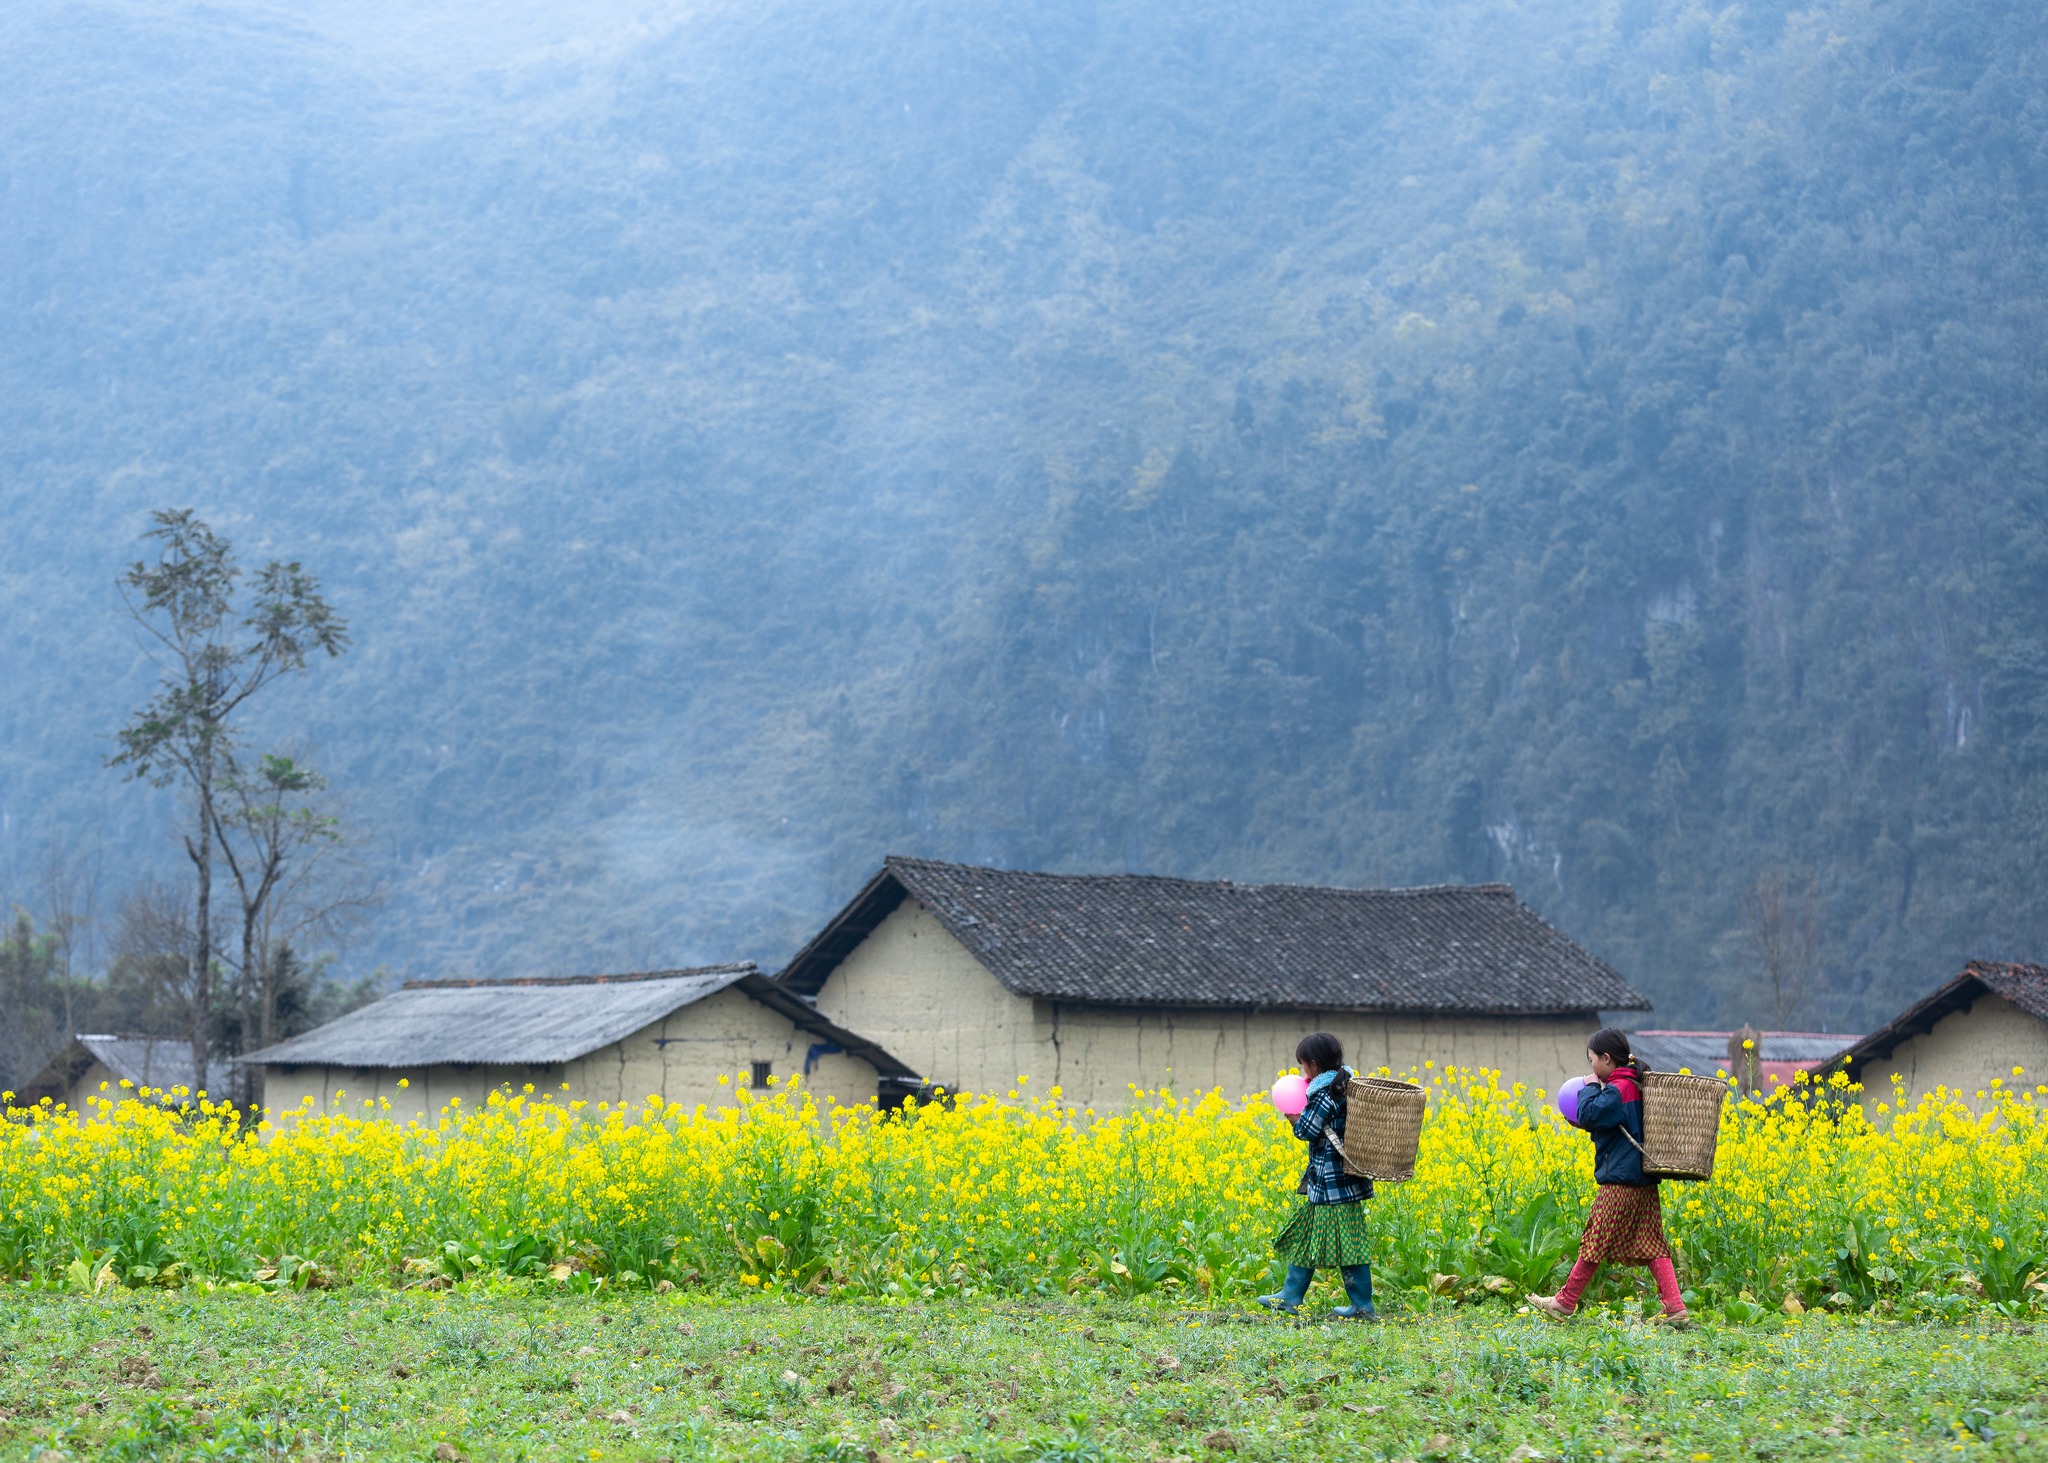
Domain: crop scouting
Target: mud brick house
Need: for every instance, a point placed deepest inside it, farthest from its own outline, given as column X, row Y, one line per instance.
column 1775, row 1059
column 1975, row 1029
column 611, row 1038
column 96, row 1066
column 976, row 977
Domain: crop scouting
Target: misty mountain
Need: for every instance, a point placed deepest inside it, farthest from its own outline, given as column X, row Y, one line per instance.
column 1596, row 447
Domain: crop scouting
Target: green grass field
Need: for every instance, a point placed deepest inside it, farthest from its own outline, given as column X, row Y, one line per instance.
column 376, row 1374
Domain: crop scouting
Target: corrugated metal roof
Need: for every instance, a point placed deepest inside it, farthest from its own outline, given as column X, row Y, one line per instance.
column 148, row 1061
column 159, row 1062
column 535, row 1022
column 1129, row 939
column 1705, row 1051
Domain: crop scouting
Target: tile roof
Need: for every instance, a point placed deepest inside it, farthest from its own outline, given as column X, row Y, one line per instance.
column 2026, row 986
column 1131, row 939
column 537, row 1021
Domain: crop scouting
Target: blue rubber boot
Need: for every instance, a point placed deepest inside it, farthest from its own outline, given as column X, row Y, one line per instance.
column 1358, row 1290
column 1287, row 1300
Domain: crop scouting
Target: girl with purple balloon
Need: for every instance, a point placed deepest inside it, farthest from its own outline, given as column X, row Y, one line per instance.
column 1328, row 1227
column 1627, row 1222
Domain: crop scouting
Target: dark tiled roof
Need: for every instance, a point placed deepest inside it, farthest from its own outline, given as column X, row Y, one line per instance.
column 2026, row 986
column 537, row 1021
column 1130, row 939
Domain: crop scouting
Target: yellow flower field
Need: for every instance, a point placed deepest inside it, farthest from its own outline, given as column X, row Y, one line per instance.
column 1941, row 1207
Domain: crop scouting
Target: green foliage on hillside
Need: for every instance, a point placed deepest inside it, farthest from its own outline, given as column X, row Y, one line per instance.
column 1596, row 447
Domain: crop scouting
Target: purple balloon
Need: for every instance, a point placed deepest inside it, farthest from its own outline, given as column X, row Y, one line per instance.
column 1568, row 1100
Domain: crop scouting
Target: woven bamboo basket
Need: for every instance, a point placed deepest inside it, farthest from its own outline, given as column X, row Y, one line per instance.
column 1383, row 1128
column 1681, row 1123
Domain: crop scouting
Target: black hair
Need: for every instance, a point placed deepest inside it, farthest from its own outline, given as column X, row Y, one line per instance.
column 1612, row 1042
column 1321, row 1049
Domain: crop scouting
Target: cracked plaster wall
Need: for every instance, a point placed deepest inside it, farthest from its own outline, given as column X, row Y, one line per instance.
column 1964, row 1052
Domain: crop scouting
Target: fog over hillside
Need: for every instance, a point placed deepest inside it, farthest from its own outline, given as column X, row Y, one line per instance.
column 1593, row 446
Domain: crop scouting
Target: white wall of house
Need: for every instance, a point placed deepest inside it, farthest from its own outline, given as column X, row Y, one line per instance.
column 86, row 1089
column 1964, row 1052
column 1101, row 1049
column 362, row 1091
column 97, row 1081
column 679, row 1058
column 916, row 991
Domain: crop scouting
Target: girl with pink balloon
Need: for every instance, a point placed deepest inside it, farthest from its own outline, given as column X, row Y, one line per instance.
column 1627, row 1222
column 1328, row 1227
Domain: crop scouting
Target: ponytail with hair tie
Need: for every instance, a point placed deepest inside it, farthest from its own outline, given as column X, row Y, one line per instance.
column 1612, row 1042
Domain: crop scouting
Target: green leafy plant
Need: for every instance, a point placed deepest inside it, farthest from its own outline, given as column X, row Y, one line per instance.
column 2009, row 1266
column 1529, row 1247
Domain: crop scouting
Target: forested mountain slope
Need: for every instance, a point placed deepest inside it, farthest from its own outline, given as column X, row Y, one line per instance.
column 1596, row 446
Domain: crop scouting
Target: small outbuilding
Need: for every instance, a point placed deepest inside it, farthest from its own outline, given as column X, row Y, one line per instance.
column 74, row 1076
column 1093, row 982
column 610, row 1038
column 1774, row 1059
column 1965, row 1036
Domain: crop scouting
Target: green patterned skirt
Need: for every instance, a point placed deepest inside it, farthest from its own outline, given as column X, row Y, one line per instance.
column 1325, row 1236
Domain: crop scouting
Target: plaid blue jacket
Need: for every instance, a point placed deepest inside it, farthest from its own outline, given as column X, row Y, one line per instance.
column 1325, row 1182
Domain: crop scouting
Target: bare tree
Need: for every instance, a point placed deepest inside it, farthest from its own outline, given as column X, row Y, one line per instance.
column 1780, row 918
column 149, row 972
column 288, row 856
column 212, row 656
column 69, row 884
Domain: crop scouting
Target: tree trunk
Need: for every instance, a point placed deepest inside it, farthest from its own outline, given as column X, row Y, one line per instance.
column 269, row 994
column 70, row 1013
column 202, row 975
column 253, row 981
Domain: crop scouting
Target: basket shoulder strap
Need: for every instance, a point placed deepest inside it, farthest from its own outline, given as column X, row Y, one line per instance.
column 1640, row 1103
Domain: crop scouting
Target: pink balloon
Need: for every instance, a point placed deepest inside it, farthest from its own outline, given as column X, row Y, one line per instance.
column 1568, row 1100
column 1290, row 1095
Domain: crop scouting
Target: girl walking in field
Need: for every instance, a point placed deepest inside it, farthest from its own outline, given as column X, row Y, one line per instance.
column 1328, row 1227
column 1627, row 1222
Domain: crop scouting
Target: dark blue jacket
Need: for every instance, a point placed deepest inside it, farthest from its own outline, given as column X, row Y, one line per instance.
column 1609, row 1113
column 1326, row 1182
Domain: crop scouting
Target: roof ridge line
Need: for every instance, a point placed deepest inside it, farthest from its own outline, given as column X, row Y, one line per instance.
column 462, row 983
column 1402, row 889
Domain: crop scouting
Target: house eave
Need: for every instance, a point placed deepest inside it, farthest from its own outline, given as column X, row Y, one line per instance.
column 807, row 971
column 1959, row 994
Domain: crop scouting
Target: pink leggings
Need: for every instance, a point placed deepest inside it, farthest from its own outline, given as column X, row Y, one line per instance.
column 1583, row 1272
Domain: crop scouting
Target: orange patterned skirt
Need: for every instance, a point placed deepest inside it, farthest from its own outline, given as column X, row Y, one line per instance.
column 1626, row 1227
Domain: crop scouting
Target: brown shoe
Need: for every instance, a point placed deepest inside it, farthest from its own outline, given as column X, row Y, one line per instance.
column 1676, row 1320
column 1550, row 1305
